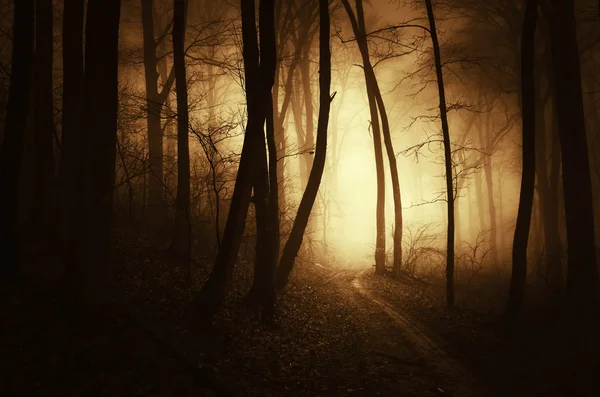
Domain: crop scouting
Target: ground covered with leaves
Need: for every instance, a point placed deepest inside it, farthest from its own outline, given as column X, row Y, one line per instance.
column 532, row 364
column 329, row 340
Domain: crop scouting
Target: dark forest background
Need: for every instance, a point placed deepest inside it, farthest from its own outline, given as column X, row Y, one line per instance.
column 228, row 167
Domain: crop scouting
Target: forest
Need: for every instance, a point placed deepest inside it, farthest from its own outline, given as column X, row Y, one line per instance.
column 299, row 197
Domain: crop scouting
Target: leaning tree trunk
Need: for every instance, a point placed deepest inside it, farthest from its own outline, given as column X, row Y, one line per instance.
column 207, row 301
column 43, row 197
column 99, row 137
column 387, row 138
column 314, row 180
column 181, row 244
column 447, row 158
column 516, row 294
column 359, row 32
column 11, row 151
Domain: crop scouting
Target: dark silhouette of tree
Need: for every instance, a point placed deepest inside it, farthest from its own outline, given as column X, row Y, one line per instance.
column 262, row 292
column 516, row 294
column 447, row 157
column 548, row 175
column 208, row 300
column 181, row 244
column 11, row 151
column 73, row 16
column 358, row 26
column 314, row 180
column 155, row 100
column 43, row 194
column 299, row 38
column 98, row 154
column 582, row 273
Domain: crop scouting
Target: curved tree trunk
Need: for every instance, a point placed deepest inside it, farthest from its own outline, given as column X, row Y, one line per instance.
column 516, row 294
column 358, row 27
column 11, row 151
column 207, row 301
column 314, row 180
column 447, row 159
column 389, row 147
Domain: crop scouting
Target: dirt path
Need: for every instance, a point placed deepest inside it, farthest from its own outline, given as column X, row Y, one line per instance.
column 406, row 345
column 456, row 376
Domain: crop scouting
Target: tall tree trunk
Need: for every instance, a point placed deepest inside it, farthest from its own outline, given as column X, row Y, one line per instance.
column 262, row 292
column 73, row 17
column 98, row 146
column 181, row 244
column 387, row 138
column 309, row 109
column 280, row 116
column 208, row 300
column 582, row 274
column 295, row 100
column 11, row 151
column 547, row 197
column 155, row 100
column 43, row 197
column 555, row 209
column 358, row 27
column 308, row 198
column 447, row 158
column 169, row 131
column 516, row 294
column 479, row 196
column 489, row 183
column 280, row 143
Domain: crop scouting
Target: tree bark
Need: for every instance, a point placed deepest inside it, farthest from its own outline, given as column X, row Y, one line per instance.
column 548, row 197
column 489, row 183
column 314, row 180
column 582, row 273
column 43, row 194
column 262, row 292
column 387, row 138
column 516, row 294
column 71, row 114
column 447, row 158
column 280, row 116
column 155, row 100
column 98, row 154
column 358, row 27
column 181, row 245
column 207, row 301
column 11, row 151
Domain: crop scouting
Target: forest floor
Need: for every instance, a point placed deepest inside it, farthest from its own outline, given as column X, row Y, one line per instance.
column 339, row 333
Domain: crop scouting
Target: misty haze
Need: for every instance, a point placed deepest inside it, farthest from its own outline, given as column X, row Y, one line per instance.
column 299, row 197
